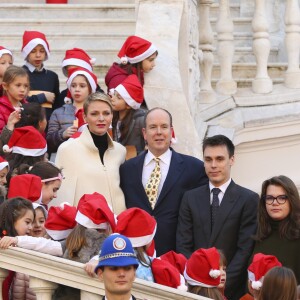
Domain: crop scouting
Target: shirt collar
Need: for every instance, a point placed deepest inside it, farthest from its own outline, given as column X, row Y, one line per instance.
column 165, row 157
column 223, row 187
column 32, row 68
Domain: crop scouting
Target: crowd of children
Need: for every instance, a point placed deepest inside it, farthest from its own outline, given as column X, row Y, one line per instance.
column 29, row 99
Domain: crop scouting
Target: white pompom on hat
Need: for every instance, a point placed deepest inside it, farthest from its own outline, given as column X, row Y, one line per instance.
column 131, row 91
column 260, row 265
column 27, row 141
column 135, row 49
column 4, row 50
column 93, row 211
column 137, row 225
column 203, row 268
column 31, row 39
column 77, row 57
column 60, row 221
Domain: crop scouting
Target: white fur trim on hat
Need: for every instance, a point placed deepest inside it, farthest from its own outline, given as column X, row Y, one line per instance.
column 32, row 44
column 182, row 286
column 58, row 235
column 36, row 205
column 142, row 56
column 3, row 165
column 5, row 51
column 77, row 62
column 26, row 151
column 193, row 282
column 88, row 223
column 128, row 99
column 87, row 75
column 142, row 240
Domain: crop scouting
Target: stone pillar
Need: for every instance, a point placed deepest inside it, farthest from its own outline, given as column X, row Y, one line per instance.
column 226, row 85
column 206, row 58
column 3, row 275
column 262, row 84
column 292, row 43
column 42, row 288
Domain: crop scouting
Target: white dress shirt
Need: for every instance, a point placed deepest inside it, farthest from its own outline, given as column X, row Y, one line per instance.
column 223, row 189
column 149, row 165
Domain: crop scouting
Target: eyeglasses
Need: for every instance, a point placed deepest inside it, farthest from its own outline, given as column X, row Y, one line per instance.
column 281, row 199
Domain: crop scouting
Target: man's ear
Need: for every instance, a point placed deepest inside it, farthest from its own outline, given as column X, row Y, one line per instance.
column 232, row 160
column 100, row 274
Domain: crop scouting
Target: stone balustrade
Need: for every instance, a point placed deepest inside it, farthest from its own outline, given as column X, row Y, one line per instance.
column 47, row 271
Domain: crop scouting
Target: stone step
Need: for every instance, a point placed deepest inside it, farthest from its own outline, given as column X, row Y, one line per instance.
column 73, row 1
column 49, row 26
column 234, row 10
column 76, row 11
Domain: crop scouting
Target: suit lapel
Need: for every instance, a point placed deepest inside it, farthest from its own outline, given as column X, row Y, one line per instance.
column 175, row 170
column 205, row 216
column 226, row 207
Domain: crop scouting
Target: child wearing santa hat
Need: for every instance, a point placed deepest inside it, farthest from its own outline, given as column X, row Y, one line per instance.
column 137, row 56
column 202, row 273
column 4, row 168
column 66, row 120
column 140, row 228
column 75, row 58
column 44, row 83
column 128, row 119
column 6, row 60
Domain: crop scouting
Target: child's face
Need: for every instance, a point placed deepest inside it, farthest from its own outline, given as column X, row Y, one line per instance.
column 24, row 224
column 3, row 174
column 38, row 228
column 37, row 56
column 18, row 89
column 80, row 89
column 5, row 62
column 223, row 277
column 149, row 63
column 118, row 103
column 49, row 191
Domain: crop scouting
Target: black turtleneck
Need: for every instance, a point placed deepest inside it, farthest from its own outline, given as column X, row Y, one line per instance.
column 101, row 142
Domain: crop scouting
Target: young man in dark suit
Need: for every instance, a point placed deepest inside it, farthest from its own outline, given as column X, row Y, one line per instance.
column 220, row 214
column 178, row 173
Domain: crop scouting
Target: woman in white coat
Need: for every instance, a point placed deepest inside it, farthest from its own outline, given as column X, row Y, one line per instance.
column 90, row 162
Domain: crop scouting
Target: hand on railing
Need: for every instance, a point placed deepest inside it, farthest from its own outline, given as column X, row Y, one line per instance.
column 7, row 241
column 90, row 267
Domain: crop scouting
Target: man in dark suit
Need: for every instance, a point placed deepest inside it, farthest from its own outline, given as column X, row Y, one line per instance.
column 220, row 214
column 179, row 173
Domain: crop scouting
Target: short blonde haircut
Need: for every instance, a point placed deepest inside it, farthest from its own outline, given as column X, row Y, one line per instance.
column 97, row 96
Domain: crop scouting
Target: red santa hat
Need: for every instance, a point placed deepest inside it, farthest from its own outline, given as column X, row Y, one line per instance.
column 137, row 225
column 79, row 117
column 31, row 39
column 177, row 260
column 3, row 50
column 203, row 268
column 151, row 251
column 131, row 91
column 260, row 265
column 90, row 76
column 93, row 211
column 3, row 163
column 60, row 221
column 27, row 141
column 166, row 274
column 28, row 186
column 135, row 49
column 77, row 57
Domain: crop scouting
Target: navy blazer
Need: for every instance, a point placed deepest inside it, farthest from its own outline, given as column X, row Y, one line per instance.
column 234, row 225
column 185, row 173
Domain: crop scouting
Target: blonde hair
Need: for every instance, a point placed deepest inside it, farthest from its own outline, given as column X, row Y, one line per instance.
column 97, row 96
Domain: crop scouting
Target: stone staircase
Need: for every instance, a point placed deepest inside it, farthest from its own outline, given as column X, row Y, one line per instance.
column 99, row 27
column 244, row 64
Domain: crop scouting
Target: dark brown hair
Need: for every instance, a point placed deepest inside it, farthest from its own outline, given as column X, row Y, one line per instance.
column 212, row 293
column 12, row 210
column 219, row 140
column 279, row 284
column 289, row 228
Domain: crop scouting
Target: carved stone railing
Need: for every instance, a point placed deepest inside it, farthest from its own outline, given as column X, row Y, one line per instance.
column 47, row 271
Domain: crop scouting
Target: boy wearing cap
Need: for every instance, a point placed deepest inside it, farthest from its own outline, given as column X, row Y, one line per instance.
column 116, row 267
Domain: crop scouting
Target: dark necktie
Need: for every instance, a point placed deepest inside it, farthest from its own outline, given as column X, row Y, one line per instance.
column 214, row 205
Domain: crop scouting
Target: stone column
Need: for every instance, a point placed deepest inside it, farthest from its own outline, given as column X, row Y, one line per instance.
column 226, row 85
column 3, row 275
column 262, row 83
column 42, row 288
column 206, row 57
column 292, row 43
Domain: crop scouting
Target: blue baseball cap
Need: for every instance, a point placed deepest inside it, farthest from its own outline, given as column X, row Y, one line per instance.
column 117, row 251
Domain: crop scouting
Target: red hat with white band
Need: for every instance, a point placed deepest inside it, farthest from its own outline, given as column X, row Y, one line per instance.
column 3, row 50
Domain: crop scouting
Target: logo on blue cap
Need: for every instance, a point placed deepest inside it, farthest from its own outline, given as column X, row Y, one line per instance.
column 119, row 244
